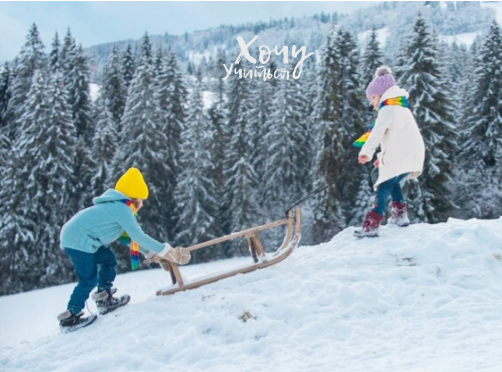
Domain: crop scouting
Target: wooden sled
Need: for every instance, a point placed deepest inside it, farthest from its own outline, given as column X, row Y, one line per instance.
column 260, row 258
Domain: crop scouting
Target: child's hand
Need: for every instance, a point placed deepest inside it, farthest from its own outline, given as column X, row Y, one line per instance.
column 375, row 163
column 363, row 159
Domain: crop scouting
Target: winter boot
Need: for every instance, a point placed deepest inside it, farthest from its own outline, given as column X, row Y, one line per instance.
column 370, row 225
column 399, row 214
column 69, row 322
column 105, row 302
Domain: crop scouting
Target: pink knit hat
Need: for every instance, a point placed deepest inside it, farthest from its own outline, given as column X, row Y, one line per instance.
column 382, row 81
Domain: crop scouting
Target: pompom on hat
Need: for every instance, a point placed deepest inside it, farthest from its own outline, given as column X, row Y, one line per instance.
column 382, row 81
column 132, row 184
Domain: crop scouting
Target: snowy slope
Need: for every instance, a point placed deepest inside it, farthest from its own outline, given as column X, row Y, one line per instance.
column 421, row 298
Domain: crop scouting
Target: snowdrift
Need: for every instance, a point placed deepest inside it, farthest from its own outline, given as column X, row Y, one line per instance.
column 421, row 298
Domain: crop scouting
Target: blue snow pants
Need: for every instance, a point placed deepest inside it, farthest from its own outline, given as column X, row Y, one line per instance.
column 388, row 188
column 92, row 269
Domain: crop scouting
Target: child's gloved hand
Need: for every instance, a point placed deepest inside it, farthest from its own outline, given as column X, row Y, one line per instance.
column 363, row 159
column 375, row 163
column 178, row 255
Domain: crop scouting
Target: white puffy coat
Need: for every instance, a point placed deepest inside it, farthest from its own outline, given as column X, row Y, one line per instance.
column 402, row 146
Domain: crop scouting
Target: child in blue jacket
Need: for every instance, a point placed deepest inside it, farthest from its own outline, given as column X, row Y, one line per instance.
column 86, row 236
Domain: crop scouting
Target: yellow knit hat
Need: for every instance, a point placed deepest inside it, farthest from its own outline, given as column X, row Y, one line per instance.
column 132, row 184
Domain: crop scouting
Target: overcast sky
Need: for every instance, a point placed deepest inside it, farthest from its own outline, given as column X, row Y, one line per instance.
column 96, row 22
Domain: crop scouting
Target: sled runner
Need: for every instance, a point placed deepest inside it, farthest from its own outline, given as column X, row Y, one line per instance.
column 260, row 258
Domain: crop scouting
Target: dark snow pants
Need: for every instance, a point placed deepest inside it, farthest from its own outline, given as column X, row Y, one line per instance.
column 92, row 269
column 388, row 188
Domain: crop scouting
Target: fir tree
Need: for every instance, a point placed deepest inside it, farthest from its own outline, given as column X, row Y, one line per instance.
column 288, row 161
column 220, row 138
column 195, row 191
column 5, row 83
column 114, row 90
column 30, row 59
column 242, row 208
column 372, row 58
column 44, row 153
column 482, row 133
column 171, row 96
column 54, row 62
column 421, row 77
column 104, row 146
column 338, row 117
column 128, row 65
column 145, row 146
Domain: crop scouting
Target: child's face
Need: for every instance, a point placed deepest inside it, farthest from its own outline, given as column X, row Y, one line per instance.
column 138, row 203
column 375, row 100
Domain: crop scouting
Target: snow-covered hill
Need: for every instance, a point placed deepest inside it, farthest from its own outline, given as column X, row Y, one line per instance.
column 422, row 298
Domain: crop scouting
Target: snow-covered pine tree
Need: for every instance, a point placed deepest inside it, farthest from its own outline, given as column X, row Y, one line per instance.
column 159, row 61
column 217, row 115
column 372, row 58
column 363, row 203
column 79, row 96
column 288, row 162
column 429, row 197
column 262, row 93
column 31, row 58
column 337, row 114
column 241, row 185
column 41, row 174
column 171, row 98
column 143, row 144
column 128, row 65
column 5, row 83
column 54, row 63
column 104, row 146
column 114, row 90
column 481, row 155
column 195, row 190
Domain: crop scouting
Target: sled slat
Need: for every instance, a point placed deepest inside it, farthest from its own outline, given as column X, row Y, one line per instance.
column 238, row 234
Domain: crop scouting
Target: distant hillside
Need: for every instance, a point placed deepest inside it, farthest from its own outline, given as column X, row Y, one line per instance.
column 460, row 21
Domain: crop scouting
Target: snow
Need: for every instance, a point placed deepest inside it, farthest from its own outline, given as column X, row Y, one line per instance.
column 95, row 91
column 382, row 35
column 496, row 6
column 421, row 298
column 466, row 38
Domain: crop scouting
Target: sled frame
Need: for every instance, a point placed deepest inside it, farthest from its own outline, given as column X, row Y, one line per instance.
column 260, row 258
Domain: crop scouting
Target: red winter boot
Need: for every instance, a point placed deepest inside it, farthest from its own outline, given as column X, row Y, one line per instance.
column 370, row 225
column 399, row 214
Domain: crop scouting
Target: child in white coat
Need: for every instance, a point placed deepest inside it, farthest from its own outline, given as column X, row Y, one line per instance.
column 402, row 150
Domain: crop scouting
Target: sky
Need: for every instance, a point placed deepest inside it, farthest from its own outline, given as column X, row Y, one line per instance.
column 95, row 22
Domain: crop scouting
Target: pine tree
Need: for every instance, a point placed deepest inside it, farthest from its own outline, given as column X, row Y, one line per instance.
column 30, row 59
column 42, row 170
column 242, row 208
column 288, row 162
column 78, row 80
column 54, row 62
column 372, row 58
column 195, row 191
column 171, row 97
column 481, row 154
column 114, row 90
column 145, row 146
column 262, row 93
column 104, row 146
column 421, row 77
column 128, row 65
column 338, row 116
column 5, row 83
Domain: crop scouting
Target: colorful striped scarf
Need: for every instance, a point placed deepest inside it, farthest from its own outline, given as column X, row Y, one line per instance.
column 126, row 240
column 396, row 101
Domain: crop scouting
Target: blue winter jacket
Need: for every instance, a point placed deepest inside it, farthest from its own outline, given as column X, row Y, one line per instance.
column 104, row 223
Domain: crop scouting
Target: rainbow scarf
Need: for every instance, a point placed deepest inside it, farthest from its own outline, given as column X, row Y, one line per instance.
column 396, row 101
column 126, row 240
